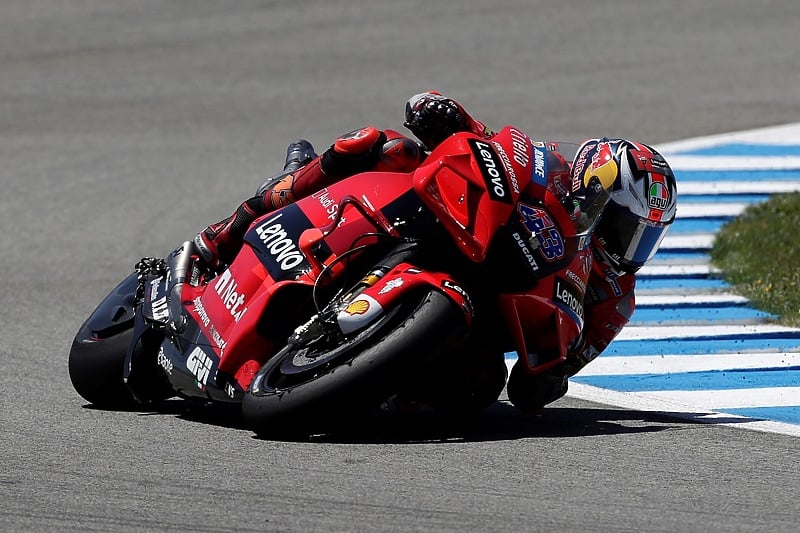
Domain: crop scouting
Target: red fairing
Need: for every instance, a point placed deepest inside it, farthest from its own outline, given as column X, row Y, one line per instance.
column 547, row 319
column 229, row 308
column 472, row 184
column 393, row 286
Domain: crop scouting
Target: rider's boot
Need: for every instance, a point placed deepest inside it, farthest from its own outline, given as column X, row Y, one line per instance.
column 298, row 154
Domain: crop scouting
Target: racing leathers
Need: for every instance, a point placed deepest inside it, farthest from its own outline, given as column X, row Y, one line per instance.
column 608, row 306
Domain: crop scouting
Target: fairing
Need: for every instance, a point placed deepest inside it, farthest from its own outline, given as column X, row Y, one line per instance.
column 468, row 191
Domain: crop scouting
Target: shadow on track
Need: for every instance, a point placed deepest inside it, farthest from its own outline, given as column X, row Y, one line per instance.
column 499, row 422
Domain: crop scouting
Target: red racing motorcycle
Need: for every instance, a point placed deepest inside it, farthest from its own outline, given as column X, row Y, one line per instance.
column 383, row 284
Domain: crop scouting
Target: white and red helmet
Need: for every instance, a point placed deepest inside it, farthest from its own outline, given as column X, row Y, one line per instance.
column 642, row 199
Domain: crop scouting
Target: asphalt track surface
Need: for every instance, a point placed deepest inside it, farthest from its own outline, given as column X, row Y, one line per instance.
column 126, row 127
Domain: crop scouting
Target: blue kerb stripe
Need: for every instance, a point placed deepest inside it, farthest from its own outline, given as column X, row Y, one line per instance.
column 665, row 257
column 677, row 284
column 787, row 415
column 626, row 348
column 747, row 149
column 684, row 226
column 694, row 381
column 721, row 198
column 665, row 315
column 688, row 304
column 644, row 275
column 743, row 176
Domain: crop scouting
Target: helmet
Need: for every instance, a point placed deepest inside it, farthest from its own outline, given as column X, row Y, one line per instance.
column 641, row 205
column 594, row 173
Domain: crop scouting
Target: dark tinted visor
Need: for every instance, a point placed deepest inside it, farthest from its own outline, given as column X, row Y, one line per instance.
column 629, row 240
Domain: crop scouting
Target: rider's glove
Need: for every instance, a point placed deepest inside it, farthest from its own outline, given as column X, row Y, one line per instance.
column 354, row 152
column 433, row 117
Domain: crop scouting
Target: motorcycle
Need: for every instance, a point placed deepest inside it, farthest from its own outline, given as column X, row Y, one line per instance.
column 368, row 289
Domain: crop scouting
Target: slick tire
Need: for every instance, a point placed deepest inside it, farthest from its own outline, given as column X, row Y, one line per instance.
column 97, row 357
column 356, row 376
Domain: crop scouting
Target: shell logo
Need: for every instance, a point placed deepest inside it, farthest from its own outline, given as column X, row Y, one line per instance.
column 357, row 307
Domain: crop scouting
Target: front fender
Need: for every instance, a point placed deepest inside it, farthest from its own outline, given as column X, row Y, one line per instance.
column 395, row 285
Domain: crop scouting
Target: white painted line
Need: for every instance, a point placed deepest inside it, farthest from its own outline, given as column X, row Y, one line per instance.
column 703, row 210
column 662, row 291
column 786, row 134
column 736, row 187
column 670, row 364
column 678, row 270
column 719, row 298
column 698, row 241
column 676, row 408
column 704, row 162
column 715, row 400
column 684, row 332
column 690, row 258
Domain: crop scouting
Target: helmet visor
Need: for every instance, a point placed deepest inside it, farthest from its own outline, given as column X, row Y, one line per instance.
column 628, row 240
column 590, row 206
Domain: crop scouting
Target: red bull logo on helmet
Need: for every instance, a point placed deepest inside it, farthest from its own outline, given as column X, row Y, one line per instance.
column 603, row 166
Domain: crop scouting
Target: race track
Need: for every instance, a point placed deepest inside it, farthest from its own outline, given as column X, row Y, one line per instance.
column 126, row 127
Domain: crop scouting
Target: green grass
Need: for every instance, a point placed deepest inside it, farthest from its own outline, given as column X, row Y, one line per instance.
column 759, row 255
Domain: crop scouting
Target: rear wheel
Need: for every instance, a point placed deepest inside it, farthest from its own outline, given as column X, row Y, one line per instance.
column 97, row 357
column 302, row 386
column 98, row 353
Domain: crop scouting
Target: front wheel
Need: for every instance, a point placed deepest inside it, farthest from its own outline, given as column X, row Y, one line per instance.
column 302, row 386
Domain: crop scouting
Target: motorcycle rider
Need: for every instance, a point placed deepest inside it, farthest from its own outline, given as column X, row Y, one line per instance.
column 641, row 207
column 628, row 228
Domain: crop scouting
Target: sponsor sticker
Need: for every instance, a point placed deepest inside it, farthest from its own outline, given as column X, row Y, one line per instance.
column 232, row 298
column 540, row 165
column 358, row 313
column 569, row 298
column 275, row 241
column 492, row 170
column 199, row 364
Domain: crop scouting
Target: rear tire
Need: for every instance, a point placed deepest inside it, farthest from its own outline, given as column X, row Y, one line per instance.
column 97, row 357
column 296, row 390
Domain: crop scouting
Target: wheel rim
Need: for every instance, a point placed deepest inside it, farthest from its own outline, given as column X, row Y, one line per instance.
column 298, row 367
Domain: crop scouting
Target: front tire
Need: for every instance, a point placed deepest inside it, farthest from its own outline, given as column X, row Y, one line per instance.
column 296, row 390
